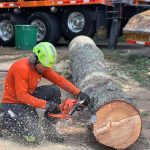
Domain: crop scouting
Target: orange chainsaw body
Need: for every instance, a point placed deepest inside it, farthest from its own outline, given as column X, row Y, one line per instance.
column 66, row 107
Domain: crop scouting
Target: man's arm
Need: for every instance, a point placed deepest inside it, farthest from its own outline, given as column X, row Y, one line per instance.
column 59, row 80
column 22, row 94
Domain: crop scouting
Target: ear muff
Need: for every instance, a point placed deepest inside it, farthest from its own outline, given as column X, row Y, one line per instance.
column 33, row 58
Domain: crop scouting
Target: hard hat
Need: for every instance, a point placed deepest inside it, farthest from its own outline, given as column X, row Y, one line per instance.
column 46, row 53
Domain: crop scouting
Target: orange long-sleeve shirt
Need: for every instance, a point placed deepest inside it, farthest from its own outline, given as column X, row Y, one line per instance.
column 22, row 80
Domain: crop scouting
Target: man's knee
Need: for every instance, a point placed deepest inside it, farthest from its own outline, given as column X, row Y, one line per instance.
column 55, row 91
column 47, row 92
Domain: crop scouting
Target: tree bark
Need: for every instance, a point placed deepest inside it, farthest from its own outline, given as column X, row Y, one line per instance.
column 118, row 123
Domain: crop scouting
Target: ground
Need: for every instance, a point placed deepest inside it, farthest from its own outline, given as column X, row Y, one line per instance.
column 77, row 136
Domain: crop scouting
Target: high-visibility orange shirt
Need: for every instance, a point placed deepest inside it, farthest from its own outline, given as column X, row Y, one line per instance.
column 22, row 80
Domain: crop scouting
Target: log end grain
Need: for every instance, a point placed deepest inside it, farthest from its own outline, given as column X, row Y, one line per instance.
column 118, row 124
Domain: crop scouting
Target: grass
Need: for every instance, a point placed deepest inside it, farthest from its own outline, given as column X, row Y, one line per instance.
column 144, row 114
column 135, row 65
column 121, row 39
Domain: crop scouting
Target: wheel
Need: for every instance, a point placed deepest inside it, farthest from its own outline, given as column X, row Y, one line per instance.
column 76, row 22
column 48, row 26
column 7, row 30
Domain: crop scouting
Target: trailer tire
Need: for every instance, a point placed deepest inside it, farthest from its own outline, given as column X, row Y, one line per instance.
column 77, row 16
column 48, row 26
column 7, row 29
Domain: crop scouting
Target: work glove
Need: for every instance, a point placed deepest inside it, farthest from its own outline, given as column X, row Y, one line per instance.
column 52, row 107
column 85, row 98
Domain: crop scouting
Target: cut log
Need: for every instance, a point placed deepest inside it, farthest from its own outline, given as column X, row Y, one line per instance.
column 138, row 27
column 118, row 122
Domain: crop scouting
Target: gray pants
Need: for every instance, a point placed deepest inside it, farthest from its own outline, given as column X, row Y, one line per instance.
column 21, row 119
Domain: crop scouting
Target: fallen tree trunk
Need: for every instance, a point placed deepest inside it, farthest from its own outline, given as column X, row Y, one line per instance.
column 118, row 123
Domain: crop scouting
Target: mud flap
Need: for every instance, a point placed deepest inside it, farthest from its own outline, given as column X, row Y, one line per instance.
column 114, row 33
column 102, row 26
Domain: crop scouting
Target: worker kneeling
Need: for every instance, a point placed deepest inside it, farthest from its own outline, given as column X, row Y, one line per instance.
column 21, row 95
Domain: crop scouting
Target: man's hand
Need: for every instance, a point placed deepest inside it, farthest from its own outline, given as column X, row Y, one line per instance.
column 84, row 97
column 52, row 107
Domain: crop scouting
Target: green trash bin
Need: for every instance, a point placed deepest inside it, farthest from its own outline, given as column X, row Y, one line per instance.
column 25, row 37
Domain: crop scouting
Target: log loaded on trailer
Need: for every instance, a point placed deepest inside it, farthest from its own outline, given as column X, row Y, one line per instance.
column 137, row 30
column 67, row 18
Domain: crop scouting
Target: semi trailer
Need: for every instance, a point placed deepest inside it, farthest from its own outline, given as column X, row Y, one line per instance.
column 68, row 18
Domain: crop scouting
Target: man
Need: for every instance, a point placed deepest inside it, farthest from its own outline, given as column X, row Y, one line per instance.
column 21, row 95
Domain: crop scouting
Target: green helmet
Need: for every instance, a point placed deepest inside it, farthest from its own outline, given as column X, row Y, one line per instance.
column 46, row 53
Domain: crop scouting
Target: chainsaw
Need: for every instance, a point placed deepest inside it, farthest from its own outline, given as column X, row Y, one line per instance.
column 67, row 108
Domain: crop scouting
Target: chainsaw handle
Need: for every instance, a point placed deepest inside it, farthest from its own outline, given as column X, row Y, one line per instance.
column 68, row 107
column 75, row 107
column 79, row 106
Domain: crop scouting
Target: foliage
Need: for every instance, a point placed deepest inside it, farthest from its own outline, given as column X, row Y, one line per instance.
column 144, row 114
column 121, row 39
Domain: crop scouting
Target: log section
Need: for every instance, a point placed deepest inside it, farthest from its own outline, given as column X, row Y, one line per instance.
column 118, row 123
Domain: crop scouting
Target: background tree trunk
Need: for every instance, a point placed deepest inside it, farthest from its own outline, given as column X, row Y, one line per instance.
column 118, row 123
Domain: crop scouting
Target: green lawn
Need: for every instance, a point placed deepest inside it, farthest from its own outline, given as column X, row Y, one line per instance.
column 135, row 65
